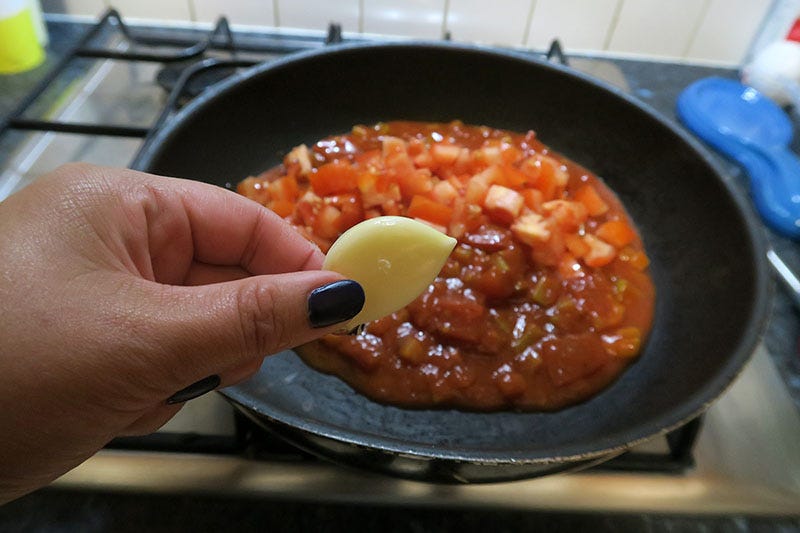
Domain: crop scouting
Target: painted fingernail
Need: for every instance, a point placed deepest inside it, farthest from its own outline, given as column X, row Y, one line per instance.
column 195, row 389
column 334, row 303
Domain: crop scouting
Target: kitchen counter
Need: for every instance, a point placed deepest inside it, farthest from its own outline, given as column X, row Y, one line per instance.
column 61, row 510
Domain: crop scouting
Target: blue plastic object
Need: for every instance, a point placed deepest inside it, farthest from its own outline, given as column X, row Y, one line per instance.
column 749, row 128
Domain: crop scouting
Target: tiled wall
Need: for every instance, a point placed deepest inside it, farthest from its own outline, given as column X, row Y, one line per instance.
column 696, row 30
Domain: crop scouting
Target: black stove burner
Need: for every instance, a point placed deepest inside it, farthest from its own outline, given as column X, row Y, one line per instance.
column 168, row 78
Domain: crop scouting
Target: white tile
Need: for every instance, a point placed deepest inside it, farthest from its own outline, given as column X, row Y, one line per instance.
column 74, row 7
column 253, row 12
column 728, row 29
column 579, row 24
column 504, row 23
column 317, row 14
column 413, row 18
column 154, row 9
column 657, row 28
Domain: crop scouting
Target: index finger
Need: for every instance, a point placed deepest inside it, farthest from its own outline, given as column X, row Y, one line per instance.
column 229, row 229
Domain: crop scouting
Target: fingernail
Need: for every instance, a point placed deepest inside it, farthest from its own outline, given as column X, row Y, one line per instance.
column 195, row 389
column 334, row 303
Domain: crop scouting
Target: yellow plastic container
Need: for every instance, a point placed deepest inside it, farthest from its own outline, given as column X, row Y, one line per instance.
column 19, row 44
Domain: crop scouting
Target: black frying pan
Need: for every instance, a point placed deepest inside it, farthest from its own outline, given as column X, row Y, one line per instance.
column 705, row 249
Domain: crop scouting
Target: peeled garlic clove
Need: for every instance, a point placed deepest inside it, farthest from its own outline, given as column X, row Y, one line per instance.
column 393, row 258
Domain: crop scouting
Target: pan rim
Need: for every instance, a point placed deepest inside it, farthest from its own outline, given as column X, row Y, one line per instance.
column 687, row 409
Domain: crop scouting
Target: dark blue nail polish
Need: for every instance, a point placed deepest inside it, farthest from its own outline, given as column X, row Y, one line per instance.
column 334, row 303
column 195, row 389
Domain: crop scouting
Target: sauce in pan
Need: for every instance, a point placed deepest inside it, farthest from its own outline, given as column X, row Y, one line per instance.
column 545, row 299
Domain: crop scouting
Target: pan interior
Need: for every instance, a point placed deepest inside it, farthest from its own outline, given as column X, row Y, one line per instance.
column 706, row 262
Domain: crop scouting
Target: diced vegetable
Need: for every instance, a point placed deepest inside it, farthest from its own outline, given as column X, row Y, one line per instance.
column 616, row 232
column 635, row 258
column 299, row 156
column 445, row 154
column 334, row 177
column 430, row 210
column 503, row 204
column 444, row 192
column 531, row 229
column 588, row 196
column 568, row 215
column 600, row 252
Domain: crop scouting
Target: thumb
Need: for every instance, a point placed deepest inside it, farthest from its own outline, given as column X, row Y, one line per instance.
column 214, row 329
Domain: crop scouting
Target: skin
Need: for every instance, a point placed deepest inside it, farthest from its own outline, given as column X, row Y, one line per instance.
column 119, row 288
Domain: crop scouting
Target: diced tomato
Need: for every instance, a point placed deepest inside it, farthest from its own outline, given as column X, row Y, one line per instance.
column 414, row 181
column 478, row 185
column 424, row 160
column 549, row 252
column 255, row 189
column 307, row 207
column 282, row 208
column 416, row 147
column 284, row 188
column 430, row 210
column 351, row 208
column 393, row 145
column 392, row 208
column 512, row 177
column 444, row 192
column 376, row 189
column 568, row 215
column 466, row 217
column 370, row 160
column 531, row 229
column 600, row 252
column 547, row 175
column 533, row 199
column 503, row 204
column 464, row 161
column 616, row 232
column 298, row 161
column 510, row 154
column 569, row 267
column 576, row 245
column 487, row 155
column 635, row 258
column 334, row 177
column 589, row 197
column 327, row 223
column 445, row 154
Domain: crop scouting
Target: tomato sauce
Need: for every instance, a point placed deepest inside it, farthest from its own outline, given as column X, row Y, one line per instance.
column 545, row 299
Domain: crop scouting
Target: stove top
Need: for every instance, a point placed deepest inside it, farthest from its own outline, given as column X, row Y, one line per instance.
column 101, row 101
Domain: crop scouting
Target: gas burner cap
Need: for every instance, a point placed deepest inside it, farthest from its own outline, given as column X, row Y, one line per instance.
column 168, row 77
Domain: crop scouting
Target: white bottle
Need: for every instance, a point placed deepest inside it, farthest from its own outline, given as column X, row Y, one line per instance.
column 773, row 65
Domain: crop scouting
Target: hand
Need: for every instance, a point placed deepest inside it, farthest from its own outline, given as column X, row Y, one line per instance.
column 118, row 289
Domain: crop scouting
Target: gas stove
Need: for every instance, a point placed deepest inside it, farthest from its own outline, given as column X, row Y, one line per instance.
column 104, row 98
